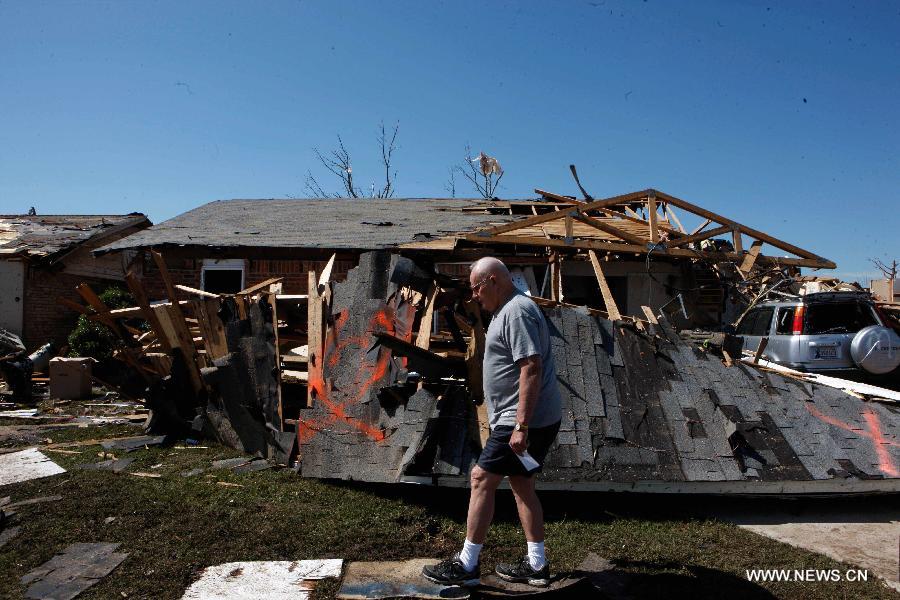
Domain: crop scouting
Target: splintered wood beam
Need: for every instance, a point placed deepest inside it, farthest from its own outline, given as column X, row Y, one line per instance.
column 164, row 273
column 670, row 213
column 611, row 229
column 754, row 233
column 550, row 216
column 423, row 338
column 555, row 279
column 760, row 349
column 211, row 327
column 652, row 218
column 137, row 290
column 325, row 276
column 270, row 298
column 701, row 227
column 521, row 240
column 259, row 286
column 699, row 236
column 750, row 259
column 85, row 291
column 557, row 197
column 611, row 308
column 74, row 306
column 570, row 235
column 195, row 291
column 315, row 329
column 736, row 240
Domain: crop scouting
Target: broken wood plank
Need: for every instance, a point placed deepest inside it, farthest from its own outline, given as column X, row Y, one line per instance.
column 211, row 327
column 316, row 338
column 701, row 226
column 550, row 216
column 325, row 275
column 195, row 291
column 598, row 224
column 696, row 237
column 608, row 299
column 652, row 217
column 423, row 337
column 760, row 349
column 85, row 291
column 750, row 259
column 75, row 306
column 259, row 286
column 670, row 213
column 736, row 241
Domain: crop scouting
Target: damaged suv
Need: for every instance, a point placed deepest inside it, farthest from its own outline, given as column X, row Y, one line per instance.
column 834, row 331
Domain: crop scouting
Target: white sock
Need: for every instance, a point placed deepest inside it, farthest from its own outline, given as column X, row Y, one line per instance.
column 468, row 556
column 536, row 557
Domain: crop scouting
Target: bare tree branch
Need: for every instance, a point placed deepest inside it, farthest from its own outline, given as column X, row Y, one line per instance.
column 890, row 272
column 450, row 184
column 338, row 163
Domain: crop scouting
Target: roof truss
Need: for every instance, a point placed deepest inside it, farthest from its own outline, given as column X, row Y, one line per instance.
column 613, row 224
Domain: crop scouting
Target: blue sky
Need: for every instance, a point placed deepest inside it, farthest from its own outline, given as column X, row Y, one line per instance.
column 782, row 116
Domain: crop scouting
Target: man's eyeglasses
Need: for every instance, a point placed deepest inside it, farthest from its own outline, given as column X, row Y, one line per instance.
column 478, row 285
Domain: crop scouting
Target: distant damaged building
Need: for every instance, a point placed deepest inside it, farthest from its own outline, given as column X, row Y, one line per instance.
column 43, row 257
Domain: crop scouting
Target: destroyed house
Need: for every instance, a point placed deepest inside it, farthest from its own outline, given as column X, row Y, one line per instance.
column 375, row 374
column 648, row 255
column 43, row 258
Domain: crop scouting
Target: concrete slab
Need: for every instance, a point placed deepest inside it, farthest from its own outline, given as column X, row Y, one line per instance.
column 861, row 532
column 16, row 467
column 393, row 579
column 276, row 580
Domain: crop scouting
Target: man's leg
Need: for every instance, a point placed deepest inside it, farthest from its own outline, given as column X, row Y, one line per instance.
column 463, row 568
column 534, row 570
column 481, row 504
column 531, row 513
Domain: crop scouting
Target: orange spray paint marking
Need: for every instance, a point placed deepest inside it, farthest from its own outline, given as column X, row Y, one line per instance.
column 885, row 462
column 873, row 432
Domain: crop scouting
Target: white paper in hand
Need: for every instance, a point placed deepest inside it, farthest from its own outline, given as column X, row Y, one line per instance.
column 527, row 461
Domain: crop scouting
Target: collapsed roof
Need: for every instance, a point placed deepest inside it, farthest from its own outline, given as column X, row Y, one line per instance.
column 49, row 237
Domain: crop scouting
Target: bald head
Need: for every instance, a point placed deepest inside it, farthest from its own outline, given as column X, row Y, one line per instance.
column 487, row 266
column 490, row 282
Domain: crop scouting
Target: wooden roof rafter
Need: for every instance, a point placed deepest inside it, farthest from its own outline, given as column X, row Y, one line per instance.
column 655, row 234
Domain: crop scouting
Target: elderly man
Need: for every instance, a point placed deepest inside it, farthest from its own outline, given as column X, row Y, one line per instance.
column 524, row 412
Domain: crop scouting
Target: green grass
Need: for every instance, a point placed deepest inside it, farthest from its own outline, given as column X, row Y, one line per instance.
column 173, row 527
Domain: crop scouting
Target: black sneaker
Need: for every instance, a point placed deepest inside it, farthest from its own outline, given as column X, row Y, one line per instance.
column 451, row 572
column 523, row 573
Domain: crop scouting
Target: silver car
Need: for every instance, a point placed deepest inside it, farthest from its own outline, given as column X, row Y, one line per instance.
column 823, row 332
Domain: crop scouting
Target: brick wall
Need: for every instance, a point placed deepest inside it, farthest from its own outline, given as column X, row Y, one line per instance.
column 45, row 320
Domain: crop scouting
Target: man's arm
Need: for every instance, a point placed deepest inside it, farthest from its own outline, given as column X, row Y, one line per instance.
column 530, row 377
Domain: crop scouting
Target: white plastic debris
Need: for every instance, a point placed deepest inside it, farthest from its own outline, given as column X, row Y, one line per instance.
column 25, row 465
column 281, row 580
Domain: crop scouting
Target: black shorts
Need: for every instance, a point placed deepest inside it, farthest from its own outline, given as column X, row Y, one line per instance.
column 498, row 458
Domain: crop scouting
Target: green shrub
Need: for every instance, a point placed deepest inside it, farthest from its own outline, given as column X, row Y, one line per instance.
column 93, row 339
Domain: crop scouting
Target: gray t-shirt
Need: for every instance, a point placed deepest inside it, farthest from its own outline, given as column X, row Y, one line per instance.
column 518, row 330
